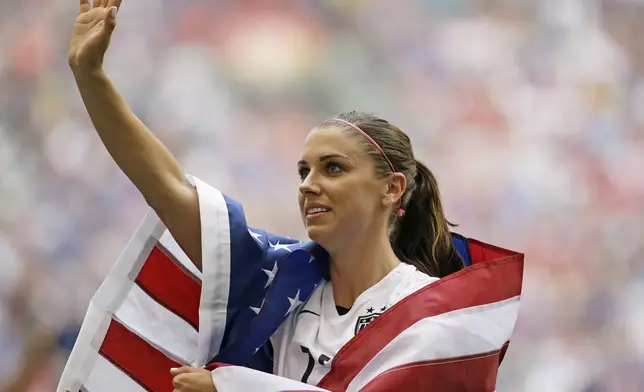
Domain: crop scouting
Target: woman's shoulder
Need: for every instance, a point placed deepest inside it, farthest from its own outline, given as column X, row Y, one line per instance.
column 416, row 280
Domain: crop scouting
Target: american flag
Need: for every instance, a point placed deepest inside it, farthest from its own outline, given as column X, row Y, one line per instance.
column 155, row 311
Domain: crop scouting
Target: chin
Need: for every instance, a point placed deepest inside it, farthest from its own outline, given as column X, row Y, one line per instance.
column 319, row 233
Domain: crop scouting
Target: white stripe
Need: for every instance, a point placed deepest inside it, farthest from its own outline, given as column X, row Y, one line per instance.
column 469, row 331
column 106, row 300
column 215, row 245
column 168, row 242
column 158, row 326
column 237, row 378
column 85, row 352
column 106, row 377
column 118, row 282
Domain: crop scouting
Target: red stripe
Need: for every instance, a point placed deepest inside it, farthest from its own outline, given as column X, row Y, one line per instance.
column 215, row 365
column 504, row 349
column 171, row 286
column 481, row 252
column 470, row 373
column 482, row 283
column 137, row 358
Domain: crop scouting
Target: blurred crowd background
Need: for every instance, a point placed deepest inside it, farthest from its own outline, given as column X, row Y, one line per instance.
column 530, row 113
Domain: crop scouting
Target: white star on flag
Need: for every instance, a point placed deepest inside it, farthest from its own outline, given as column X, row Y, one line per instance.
column 256, row 310
column 279, row 246
column 295, row 302
column 256, row 236
column 271, row 274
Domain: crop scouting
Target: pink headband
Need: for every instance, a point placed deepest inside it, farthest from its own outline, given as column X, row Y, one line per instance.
column 401, row 211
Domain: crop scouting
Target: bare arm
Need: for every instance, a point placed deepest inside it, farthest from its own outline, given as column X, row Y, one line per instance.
column 138, row 153
column 144, row 160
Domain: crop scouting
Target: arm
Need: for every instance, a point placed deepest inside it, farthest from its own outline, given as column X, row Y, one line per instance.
column 144, row 160
column 137, row 152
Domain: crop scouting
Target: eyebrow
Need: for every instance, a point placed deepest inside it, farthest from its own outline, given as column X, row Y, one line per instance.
column 326, row 158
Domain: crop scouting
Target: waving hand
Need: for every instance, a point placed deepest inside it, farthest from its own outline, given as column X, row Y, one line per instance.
column 92, row 32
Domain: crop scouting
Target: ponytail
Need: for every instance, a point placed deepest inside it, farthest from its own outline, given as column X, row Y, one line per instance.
column 422, row 237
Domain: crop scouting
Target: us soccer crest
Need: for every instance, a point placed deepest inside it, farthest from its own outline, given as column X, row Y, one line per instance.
column 363, row 321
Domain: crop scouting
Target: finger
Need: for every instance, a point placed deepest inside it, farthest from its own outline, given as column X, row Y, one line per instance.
column 114, row 3
column 182, row 370
column 110, row 19
column 182, row 381
column 85, row 6
column 103, row 3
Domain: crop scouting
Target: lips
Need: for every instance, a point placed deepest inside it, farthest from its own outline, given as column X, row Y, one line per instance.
column 317, row 210
column 312, row 210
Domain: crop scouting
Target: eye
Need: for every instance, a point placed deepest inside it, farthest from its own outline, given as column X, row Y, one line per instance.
column 303, row 172
column 333, row 168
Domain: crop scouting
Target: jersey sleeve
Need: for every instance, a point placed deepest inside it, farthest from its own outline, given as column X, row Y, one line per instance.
column 238, row 265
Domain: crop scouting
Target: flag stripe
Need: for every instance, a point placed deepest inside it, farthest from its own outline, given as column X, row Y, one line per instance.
column 481, row 252
column 456, row 334
column 468, row 373
column 158, row 326
column 239, row 378
column 504, row 349
column 216, row 247
column 105, row 377
column 169, row 285
column 138, row 359
column 168, row 243
column 480, row 284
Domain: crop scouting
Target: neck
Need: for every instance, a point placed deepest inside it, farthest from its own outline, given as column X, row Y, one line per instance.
column 360, row 266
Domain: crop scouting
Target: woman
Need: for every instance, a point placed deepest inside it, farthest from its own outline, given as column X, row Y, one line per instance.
column 364, row 199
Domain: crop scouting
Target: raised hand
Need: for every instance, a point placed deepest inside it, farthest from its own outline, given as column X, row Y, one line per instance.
column 91, row 34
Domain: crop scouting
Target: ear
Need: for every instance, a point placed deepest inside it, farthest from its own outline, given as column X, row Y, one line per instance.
column 396, row 186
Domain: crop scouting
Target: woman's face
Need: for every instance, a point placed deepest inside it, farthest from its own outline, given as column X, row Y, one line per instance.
column 340, row 195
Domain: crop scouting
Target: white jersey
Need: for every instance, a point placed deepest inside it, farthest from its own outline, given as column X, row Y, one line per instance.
column 310, row 337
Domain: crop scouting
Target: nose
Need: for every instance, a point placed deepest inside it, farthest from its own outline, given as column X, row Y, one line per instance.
column 310, row 185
